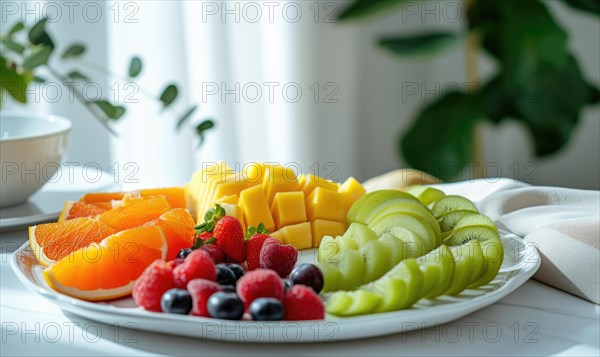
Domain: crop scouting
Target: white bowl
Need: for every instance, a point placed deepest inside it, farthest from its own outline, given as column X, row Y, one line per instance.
column 31, row 149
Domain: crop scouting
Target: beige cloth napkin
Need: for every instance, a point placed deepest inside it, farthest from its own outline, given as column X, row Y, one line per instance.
column 564, row 225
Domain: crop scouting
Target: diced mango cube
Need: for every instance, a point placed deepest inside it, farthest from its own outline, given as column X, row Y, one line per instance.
column 298, row 235
column 288, row 208
column 352, row 191
column 255, row 208
column 311, row 182
column 234, row 211
column 325, row 204
column 277, row 235
column 231, row 199
column 254, row 172
column 322, row 227
column 279, row 179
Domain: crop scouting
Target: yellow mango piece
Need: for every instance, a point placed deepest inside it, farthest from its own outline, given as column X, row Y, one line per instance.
column 311, row 182
column 277, row 235
column 279, row 179
column 232, row 185
column 234, row 211
column 208, row 179
column 231, row 199
column 322, row 227
column 288, row 208
column 298, row 235
column 325, row 204
column 255, row 208
column 254, row 172
column 352, row 191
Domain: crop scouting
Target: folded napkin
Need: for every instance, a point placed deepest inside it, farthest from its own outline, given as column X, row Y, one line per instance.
column 564, row 225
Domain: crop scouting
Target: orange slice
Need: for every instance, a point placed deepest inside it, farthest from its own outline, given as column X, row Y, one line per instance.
column 52, row 241
column 75, row 209
column 135, row 212
column 175, row 196
column 109, row 269
column 178, row 226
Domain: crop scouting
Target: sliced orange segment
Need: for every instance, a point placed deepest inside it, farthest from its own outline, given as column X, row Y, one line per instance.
column 175, row 195
column 76, row 209
column 109, row 269
column 178, row 227
column 53, row 241
column 135, row 212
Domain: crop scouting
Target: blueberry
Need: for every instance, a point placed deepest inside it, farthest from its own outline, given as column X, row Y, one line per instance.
column 309, row 275
column 287, row 284
column 224, row 275
column 176, row 301
column 237, row 270
column 266, row 309
column 228, row 288
column 227, row 306
column 184, row 253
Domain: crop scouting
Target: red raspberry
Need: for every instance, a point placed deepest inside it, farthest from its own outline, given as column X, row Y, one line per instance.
column 197, row 265
column 278, row 257
column 152, row 284
column 215, row 253
column 253, row 247
column 201, row 290
column 259, row 283
column 302, row 303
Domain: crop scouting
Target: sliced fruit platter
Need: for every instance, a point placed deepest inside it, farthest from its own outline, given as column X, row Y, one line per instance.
column 265, row 245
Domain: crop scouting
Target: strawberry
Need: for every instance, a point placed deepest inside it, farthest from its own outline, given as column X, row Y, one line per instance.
column 230, row 238
column 255, row 237
column 278, row 257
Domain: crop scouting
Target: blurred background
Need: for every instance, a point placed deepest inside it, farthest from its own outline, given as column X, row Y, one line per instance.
column 287, row 82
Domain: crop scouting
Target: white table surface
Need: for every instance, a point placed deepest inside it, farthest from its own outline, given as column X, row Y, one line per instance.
column 534, row 320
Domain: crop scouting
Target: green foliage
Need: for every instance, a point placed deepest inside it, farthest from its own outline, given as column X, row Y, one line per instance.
column 538, row 83
column 19, row 58
column 422, row 44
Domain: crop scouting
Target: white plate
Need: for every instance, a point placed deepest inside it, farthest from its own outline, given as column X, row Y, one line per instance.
column 46, row 204
column 520, row 263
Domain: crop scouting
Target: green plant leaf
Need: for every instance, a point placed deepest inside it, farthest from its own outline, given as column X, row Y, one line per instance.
column 13, row 46
column 169, row 95
column 74, row 51
column 593, row 94
column 440, row 141
column 78, row 76
column 38, row 57
column 38, row 35
column 362, row 8
column 421, row 44
column 522, row 35
column 135, row 67
column 12, row 82
column 592, row 6
column 16, row 28
column 38, row 79
column 185, row 117
column 202, row 128
column 112, row 111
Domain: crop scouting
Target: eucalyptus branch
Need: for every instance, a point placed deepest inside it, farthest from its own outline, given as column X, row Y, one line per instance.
column 90, row 106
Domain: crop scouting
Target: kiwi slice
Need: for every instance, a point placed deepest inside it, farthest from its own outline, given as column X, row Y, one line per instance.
column 350, row 303
column 425, row 194
column 475, row 220
column 328, row 248
column 452, row 203
column 332, row 276
column 450, row 219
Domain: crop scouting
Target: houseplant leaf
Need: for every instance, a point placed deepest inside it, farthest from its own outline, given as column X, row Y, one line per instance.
column 440, row 141
column 186, row 116
column 74, row 51
column 14, row 83
column 360, row 8
column 38, row 36
column 421, row 44
column 592, row 6
column 39, row 56
column 112, row 111
column 135, row 67
column 168, row 95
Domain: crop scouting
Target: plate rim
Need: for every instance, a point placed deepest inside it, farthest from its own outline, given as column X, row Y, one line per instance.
column 78, row 306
